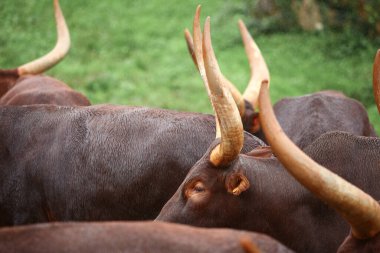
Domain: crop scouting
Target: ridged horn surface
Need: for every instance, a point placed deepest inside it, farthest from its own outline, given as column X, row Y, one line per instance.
column 231, row 127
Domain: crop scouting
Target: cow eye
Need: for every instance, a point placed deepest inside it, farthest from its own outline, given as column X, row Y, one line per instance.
column 199, row 187
column 194, row 189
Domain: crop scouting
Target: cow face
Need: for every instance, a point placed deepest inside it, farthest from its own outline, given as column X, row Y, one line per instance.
column 216, row 196
column 209, row 196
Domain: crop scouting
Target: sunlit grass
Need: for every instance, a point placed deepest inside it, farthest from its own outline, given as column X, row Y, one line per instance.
column 133, row 52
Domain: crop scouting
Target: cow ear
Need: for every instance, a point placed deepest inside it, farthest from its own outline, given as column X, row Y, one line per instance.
column 261, row 152
column 256, row 126
column 236, row 183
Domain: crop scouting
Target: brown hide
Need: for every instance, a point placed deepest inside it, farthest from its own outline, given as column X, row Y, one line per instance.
column 29, row 89
column 305, row 118
column 7, row 79
column 274, row 203
column 97, row 162
column 129, row 237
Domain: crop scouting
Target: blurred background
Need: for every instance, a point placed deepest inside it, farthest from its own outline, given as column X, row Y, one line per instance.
column 134, row 53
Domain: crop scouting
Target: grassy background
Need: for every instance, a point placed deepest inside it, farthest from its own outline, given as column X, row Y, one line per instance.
column 133, row 52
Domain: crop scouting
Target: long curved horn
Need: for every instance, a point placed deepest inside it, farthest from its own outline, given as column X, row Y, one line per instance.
column 197, row 47
column 190, row 46
column 197, row 55
column 376, row 79
column 224, row 106
column 195, row 50
column 259, row 69
column 357, row 207
column 61, row 48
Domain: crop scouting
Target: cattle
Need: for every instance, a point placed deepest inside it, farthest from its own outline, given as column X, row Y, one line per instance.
column 97, row 162
column 24, row 85
column 315, row 113
column 359, row 209
column 131, row 237
column 354, row 242
column 228, row 189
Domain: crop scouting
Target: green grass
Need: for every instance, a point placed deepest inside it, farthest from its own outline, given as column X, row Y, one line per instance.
column 133, row 52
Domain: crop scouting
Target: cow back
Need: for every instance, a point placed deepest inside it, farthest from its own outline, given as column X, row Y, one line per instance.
column 96, row 163
column 306, row 118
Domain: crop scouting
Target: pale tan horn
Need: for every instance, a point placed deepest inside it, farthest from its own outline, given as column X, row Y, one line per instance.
column 195, row 50
column 360, row 210
column 259, row 69
column 225, row 108
column 376, row 79
column 197, row 56
column 190, row 46
column 61, row 48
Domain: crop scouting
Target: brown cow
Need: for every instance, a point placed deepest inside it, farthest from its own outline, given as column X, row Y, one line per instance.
column 314, row 114
column 359, row 209
column 24, row 85
column 96, row 162
column 354, row 242
column 131, row 237
column 228, row 189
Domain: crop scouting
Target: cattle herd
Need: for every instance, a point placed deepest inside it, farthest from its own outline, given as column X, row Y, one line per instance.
column 299, row 177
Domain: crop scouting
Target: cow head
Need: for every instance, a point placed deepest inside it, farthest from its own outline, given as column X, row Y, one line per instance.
column 233, row 190
column 219, row 178
column 8, row 78
column 246, row 103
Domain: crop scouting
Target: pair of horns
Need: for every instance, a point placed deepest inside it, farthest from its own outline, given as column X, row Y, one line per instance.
column 228, row 121
column 60, row 50
column 258, row 67
column 360, row 210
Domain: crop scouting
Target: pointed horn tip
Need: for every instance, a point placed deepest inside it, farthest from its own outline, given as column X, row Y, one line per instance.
column 197, row 17
column 198, row 10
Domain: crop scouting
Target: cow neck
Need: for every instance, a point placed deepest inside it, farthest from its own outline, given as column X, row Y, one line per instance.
column 284, row 206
